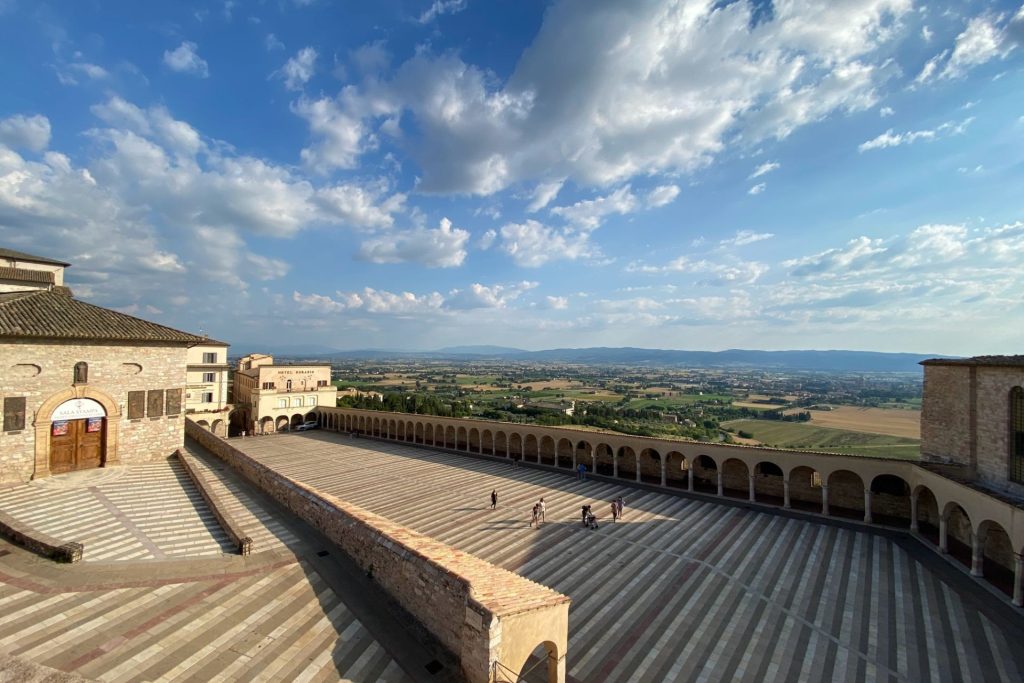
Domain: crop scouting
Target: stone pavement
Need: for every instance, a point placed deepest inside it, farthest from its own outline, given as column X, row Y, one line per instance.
column 168, row 605
column 683, row 589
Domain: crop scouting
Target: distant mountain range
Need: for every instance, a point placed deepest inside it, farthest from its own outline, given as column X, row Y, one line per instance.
column 836, row 361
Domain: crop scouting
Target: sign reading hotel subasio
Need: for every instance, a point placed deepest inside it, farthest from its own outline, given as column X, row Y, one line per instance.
column 77, row 409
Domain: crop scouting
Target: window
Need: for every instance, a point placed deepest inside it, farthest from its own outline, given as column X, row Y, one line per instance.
column 81, row 373
column 173, row 401
column 136, row 405
column 268, row 385
column 321, row 383
column 288, row 386
column 14, row 413
column 209, row 377
column 208, row 397
column 282, row 403
column 155, row 402
column 210, row 357
column 1017, row 435
column 311, row 400
column 297, row 402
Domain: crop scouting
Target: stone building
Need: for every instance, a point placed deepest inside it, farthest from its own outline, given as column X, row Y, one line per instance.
column 973, row 416
column 81, row 386
column 206, row 391
column 273, row 398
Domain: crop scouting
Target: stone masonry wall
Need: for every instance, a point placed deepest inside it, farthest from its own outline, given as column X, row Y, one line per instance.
column 945, row 414
column 994, row 386
column 458, row 598
column 37, row 371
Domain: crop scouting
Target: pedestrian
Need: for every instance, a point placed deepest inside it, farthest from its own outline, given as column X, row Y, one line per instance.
column 494, row 499
column 584, row 512
column 535, row 518
column 622, row 503
column 543, row 510
column 615, row 510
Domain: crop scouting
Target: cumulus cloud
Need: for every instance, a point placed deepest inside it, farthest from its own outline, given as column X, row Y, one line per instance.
column 891, row 139
column 886, row 112
column 273, row 43
column 713, row 273
column 590, row 213
column 757, row 189
column 361, row 205
column 483, row 296
column 558, row 303
column 443, row 247
column 299, row 69
column 661, row 195
column 532, row 244
column 543, row 194
column 985, row 38
column 25, row 132
column 342, row 137
column 660, row 87
column 185, row 59
column 766, row 167
column 487, row 239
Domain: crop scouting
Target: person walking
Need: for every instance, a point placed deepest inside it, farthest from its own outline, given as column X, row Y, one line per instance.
column 580, row 470
column 494, row 499
column 536, row 515
column 622, row 503
column 543, row 510
column 615, row 510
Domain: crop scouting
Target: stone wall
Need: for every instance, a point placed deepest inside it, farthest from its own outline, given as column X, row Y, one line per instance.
column 945, row 414
column 993, row 430
column 39, row 371
column 467, row 604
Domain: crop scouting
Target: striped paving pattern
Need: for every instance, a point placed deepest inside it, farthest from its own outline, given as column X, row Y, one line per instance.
column 280, row 623
column 143, row 512
column 682, row 590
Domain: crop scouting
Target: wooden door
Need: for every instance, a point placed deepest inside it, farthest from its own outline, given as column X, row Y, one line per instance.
column 76, row 444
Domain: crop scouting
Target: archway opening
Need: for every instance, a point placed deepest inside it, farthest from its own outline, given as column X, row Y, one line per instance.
column 474, row 440
column 449, row 437
column 769, row 486
column 296, row 420
column 735, row 479
column 927, row 514
column 267, row 425
column 501, row 444
column 650, row 466
column 462, row 439
column 540, row 667
column 605, row 460
column 890, row 500
column 547, row 452
column 997, row 565
column 805, row 489
column 705, row 474
column 531, row 450
column 515, row 447
column 626, row 457
column 584, row 455
column 487, row 442
column 845, row 495
column 565, row 452
column 677, row 470
column 958, row 533
column 281, row 424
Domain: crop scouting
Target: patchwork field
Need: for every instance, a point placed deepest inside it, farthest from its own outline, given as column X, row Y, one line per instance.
column 894, row 422
column 811, row 437
column 677, row 400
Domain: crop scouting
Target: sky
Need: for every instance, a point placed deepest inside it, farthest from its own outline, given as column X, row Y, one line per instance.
column 415, row 174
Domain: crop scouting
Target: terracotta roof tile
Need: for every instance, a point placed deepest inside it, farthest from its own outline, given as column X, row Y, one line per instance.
column 22, row 256
column 25, row 275
column 55, row 314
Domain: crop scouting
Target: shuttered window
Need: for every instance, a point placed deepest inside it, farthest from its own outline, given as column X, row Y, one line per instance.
column 174, row 401
column 136, row 405
column 14, row 413
column 155, row 402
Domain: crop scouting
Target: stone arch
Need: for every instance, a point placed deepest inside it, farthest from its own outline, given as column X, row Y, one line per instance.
column 845, row 494
column 584, row 453
column 392, row 426
column 626, row 463
column 462, row 439
column 651, row 463
column 204, row 424
column 296, row 420
column 548, row 456
column 769, row 483
column 677, row 470
column 487, row 441
column 501, row 444
column 515, row 446
column 544, row 658
column 926, row 508
column 959, row 532
column 805, row 491
column 418, row 433
column 735, row 478
column 311, row 416
column 42, row 422
column 267, row 425
column 565, row 454
column 531, row 451
column 218, row 428
column 997, row 557
column 604, row 459
column 400, row 431
column 428, row 434
column 281, row 423
column 705, row 474
column 473, row 441
column 375, row 427
column 449, row 437
column 890, row 500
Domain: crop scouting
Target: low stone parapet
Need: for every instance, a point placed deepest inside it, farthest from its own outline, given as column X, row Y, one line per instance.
column 241, row 540
column 22, row 534
column 488, row 617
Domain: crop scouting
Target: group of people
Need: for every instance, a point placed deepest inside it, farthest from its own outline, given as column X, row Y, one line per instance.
column 617, row 506
column 589, row 519
column 539, row 510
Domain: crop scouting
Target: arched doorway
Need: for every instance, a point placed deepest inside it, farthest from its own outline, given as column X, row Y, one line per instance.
column 78, row 430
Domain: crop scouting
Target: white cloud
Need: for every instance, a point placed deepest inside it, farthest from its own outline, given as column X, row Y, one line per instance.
column 487, row 239
column 444, row 247
column 404, row 303
column 590, row 213
column 657, row 89
column 299, row 69
column 926, row 34
column 361, row 206
column 930, row 69
column 890, row 139
column 744, row 237
column 757, row 189
column 272, row 43
column 766, row 167
column 439, row 7
column 185, row 59
column 532, row 244
column 661, row 195
column 543, row 194
column 982, row 41
column 482, row 296
column 886, row 112
column 734, row 272
column 342, row 137
column 25, row 132
column 558, row 303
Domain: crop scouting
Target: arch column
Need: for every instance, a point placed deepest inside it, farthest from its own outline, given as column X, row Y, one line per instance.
column 663, row 472
column 867, row 506
column 977, row 553
column 593, row 461
column 615, row 466
column 1018, row 580
column 785, row 494
column 824, row 499
column 750, row 488
column 943, row 546
column 689, row 479
column 721, row 488
column 913, row 513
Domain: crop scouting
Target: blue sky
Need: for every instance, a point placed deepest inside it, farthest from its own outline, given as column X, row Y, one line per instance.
column 413, row 174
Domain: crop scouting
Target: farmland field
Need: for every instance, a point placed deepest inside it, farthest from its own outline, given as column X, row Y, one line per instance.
column 678, row 400
column 894, row 422
column 807, row 436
